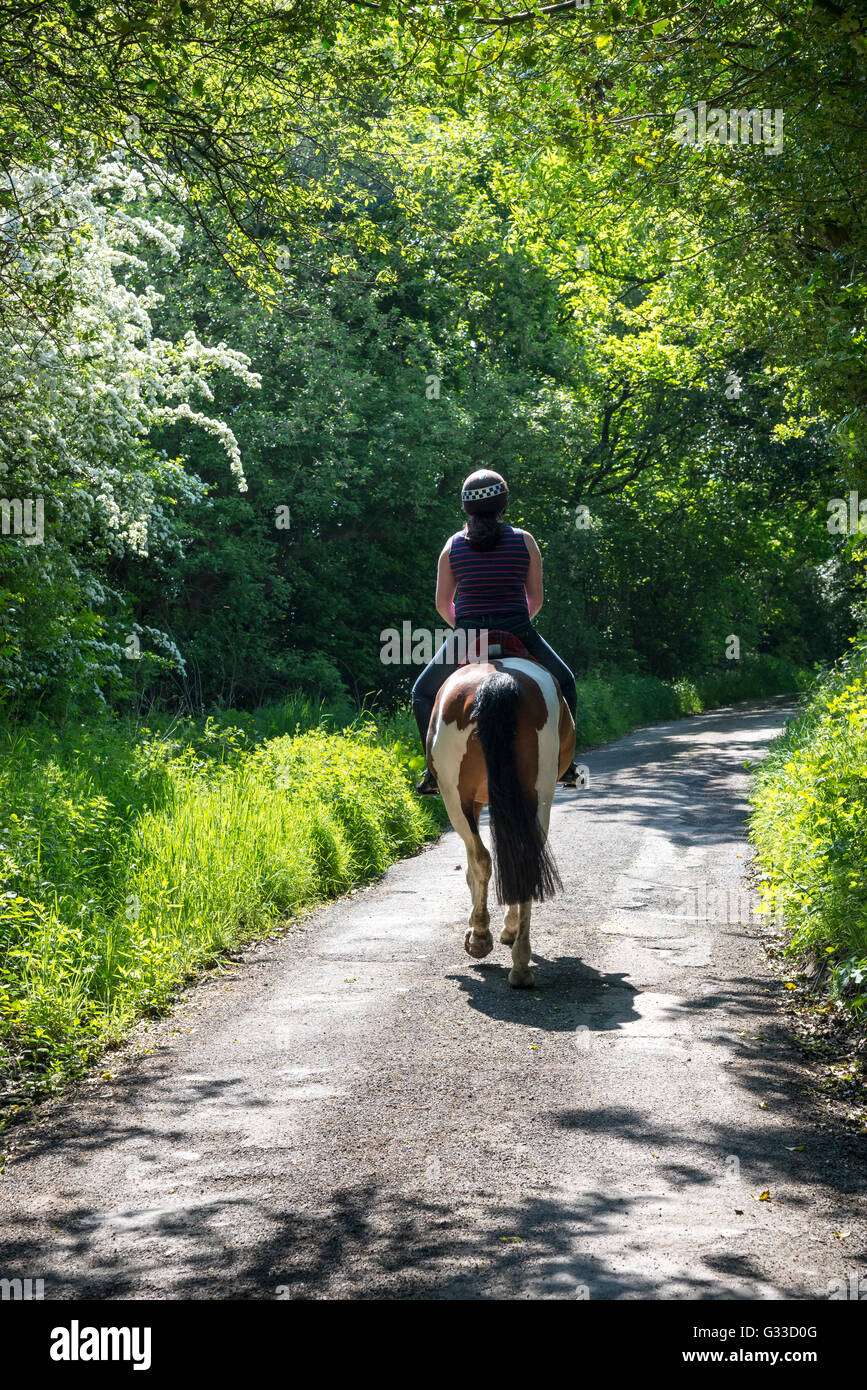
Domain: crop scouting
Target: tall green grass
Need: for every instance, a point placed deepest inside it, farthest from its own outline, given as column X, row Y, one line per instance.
column 130, row 858
column 809, row 822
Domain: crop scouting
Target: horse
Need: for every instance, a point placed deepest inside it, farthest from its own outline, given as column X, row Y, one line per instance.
column 501, row 734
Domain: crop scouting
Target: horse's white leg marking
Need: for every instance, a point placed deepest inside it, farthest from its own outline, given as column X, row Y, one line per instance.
column 480, row 918
column 520, row 975
column 518, row 920
column 448, row 747
column 511, row 922
column 478, row 940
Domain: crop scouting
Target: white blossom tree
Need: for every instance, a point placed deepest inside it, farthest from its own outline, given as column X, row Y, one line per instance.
column 82, row 387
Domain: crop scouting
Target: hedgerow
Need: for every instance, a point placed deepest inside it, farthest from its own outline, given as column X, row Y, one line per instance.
column 809, row 824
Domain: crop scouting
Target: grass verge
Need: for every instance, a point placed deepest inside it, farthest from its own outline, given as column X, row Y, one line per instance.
column 131, row 858
column 809, row 827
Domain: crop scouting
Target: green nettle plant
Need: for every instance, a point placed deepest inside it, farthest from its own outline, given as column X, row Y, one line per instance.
column 85, row 382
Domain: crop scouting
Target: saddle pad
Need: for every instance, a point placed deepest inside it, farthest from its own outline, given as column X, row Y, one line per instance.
column 500, row 644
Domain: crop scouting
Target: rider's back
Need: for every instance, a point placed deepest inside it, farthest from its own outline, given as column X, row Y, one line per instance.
column 490, row 581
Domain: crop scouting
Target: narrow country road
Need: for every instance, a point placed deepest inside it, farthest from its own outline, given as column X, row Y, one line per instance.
column 359, row 1110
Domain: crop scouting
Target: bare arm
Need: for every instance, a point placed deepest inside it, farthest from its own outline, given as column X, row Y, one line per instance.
column 446, row 586
column 533, row 583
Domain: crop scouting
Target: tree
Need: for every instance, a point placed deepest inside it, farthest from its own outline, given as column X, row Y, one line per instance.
column 80, row 479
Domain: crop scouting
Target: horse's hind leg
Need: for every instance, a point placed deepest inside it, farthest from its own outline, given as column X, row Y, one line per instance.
column 478, row 940
column 520, row 975
column 511, row 922
column 516, row 928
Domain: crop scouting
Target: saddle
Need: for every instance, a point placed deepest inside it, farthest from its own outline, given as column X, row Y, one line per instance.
column 500, row 644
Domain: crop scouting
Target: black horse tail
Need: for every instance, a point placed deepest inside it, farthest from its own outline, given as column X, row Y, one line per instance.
column 524, row 867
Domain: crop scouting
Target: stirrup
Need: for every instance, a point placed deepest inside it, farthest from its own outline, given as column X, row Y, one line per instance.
column 428, row 785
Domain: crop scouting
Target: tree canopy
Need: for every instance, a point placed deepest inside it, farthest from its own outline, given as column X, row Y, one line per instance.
column 275, row 277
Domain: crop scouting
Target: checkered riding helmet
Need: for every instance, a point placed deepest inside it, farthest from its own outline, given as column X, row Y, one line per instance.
column 484, row 491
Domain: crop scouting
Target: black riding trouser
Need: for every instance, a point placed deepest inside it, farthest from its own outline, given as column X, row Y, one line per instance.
column 445, row 661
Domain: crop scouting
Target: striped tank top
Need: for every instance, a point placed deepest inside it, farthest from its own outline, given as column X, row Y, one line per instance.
column 490, row 581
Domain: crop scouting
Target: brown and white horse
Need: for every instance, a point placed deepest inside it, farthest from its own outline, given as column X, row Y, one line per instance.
column 501, row 734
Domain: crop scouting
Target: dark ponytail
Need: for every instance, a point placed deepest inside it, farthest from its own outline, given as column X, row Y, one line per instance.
column 484, row 530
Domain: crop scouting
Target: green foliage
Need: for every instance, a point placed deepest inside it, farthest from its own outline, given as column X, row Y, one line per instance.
column 83, row 383
column 131, row 858
column 503, row 220
column 217, row 101
column 847, row 981
column 809, row 821
column 701, row 522
column 751, row 247
column 608, row 709
column 750, row 680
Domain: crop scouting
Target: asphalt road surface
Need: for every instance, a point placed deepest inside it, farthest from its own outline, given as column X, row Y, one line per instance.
column 356, row 1109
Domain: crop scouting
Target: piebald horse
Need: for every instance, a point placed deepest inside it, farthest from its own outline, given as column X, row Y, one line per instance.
column 501, row 734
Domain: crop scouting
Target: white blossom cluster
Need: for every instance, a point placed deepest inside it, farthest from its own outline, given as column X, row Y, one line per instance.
column 81, row 392
column 83, row 382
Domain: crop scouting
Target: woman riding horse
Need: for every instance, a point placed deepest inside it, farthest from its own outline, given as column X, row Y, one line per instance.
column 489, row 576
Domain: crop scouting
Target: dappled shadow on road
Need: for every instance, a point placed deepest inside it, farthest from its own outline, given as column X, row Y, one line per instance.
column 566, row 989
column 67, row 1127
column 293, row 1233
column 570, row 995
column 376, row 1237
column 674, row 777
column 788, row 1154
column 370, row 1240
column 377, row 1243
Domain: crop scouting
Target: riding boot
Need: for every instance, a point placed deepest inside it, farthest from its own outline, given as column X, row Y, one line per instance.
column 422, row 708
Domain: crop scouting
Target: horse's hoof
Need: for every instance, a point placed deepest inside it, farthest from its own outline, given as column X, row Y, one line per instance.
column 521, row 979
column 507, row 938
column 478, row 946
